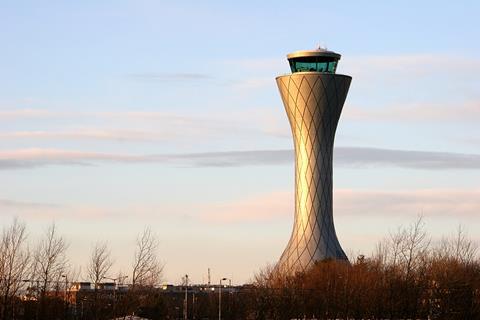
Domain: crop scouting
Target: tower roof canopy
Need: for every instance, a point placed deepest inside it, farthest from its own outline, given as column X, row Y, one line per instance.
column 319, row 60
column 313, row 53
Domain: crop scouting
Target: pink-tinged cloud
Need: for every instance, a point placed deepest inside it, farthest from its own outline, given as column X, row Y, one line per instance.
column 429, row 202
column 410, row 65
column 461, row 112
column 278, row 206
column 372, row 69
column 90, row 134
column 14, row 114
column 271, row 207
column 263, row 208
column 8, row 203
column 133, row 126
column 217, row 118
column 38, row 211
column 57, row 154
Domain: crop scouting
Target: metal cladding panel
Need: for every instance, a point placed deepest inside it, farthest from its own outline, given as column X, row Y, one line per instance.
column 313, row 102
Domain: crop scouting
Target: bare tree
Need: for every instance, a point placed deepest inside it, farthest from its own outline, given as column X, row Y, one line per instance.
column 380, row 255
column 394, row 247
column 415, row 244
column 147, row 269
column 460, row 247
column 121, row 277
column 100, row 263
column 50, row 262
column 14, row 263
column 97, row 268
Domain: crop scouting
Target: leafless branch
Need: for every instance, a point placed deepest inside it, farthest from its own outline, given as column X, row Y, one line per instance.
column 147, row 269
column 100, row 263
column 14, row 263
column 50, row 259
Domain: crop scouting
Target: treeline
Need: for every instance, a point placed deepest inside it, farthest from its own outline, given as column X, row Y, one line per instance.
column 36, row 278
column 408, row 277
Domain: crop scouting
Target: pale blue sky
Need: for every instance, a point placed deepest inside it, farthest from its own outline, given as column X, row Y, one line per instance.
column 119, row 114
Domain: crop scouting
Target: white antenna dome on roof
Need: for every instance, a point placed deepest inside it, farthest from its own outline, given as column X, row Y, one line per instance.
column 322, row 47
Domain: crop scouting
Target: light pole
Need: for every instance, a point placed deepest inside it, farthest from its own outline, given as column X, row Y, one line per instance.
column 65, row 299
column 220, row 299
column 185, row 310
column 115, row 290
column 193, row 304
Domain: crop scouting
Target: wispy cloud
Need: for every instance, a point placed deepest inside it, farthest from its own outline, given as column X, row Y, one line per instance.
column 43, row 211
column 277, row 206
column 271, row 207
column 6, row 203
column 263, row 208
column 392, row 68
column 410, row 159
column 92, row 211
column 344, row 156
column 413, row 65
column 30, row 209
column 16, row 114
column 462, row 112
column 430, row 202
column 165, row 76
column 128, row 126
column 28, row 158
column 82, row 134
column 13, row 114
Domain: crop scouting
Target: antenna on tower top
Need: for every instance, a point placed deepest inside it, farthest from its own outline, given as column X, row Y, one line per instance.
column 322, row 47
column 209, row 276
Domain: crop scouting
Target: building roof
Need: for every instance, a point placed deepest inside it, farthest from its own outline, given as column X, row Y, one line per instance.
column 320, row 52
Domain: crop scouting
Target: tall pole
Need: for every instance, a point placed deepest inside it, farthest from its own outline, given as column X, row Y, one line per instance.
column 114, row 296
column 220, row 299
column 185, row 309
column 38, row 297
column 65, row 298
column 193, row 304
column 115, row 284
column 120, row 281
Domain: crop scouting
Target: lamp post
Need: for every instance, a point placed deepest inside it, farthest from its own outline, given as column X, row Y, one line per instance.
column 193, row 304
column 220, row 299
column 65, row 298
column 185, row 304
column 115, row 290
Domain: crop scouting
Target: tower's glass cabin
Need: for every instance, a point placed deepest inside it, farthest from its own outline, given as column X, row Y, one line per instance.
column 319, row 60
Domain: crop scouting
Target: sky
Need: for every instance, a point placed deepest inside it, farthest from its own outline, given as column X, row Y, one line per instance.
column 121, row 115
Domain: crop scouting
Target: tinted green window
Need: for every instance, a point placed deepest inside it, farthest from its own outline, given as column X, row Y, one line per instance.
column 332, row 66
column 305, row 66
column 315, row 64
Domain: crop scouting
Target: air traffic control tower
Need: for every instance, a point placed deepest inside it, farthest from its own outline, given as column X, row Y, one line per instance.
column 313, row 96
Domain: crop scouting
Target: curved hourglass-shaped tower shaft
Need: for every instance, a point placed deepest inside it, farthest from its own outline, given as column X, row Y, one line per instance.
column 313, row 101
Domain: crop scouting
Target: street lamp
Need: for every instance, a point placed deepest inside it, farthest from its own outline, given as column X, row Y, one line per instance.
column 220, row 298
column 65, row 298
column 115, row 290
column 185, row 310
